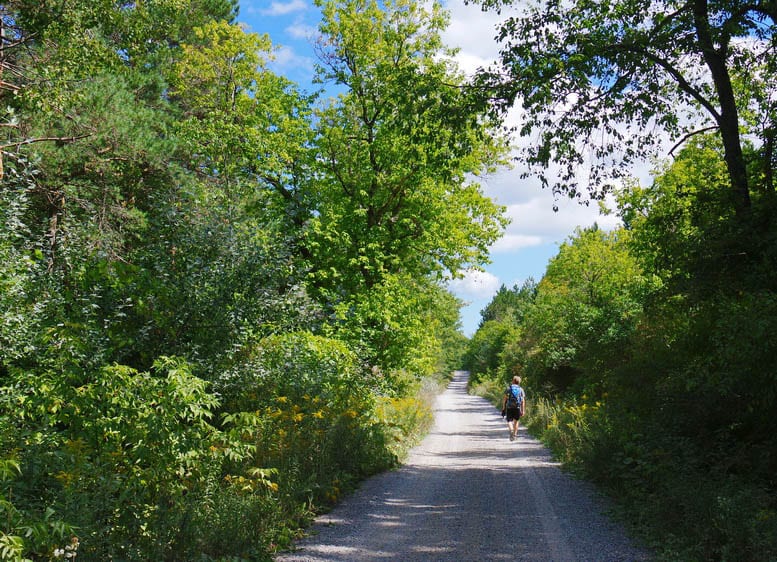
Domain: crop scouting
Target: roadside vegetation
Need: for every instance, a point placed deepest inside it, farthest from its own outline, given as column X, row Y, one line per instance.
column 648, row 352
column 649, row 365
column 221, row 299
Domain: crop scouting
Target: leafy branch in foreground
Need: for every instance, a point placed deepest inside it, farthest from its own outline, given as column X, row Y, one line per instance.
column 601, row 82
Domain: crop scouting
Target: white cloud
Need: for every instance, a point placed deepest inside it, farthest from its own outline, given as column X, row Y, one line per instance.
column 530, row 209
column 302, row 31
column 537, row 218
column 283, row 8
column 473, row 31
column 475, row 284
column 286, row 61
column 515, row 241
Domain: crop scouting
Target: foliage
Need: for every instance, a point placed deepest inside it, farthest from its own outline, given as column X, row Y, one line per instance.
column 649, row 364
column 452, row 342
column 188, row 370
column 586, row 307
column 19, row 265
column 482, row 357
column 510, row 304
column 682, row 226
column 494, row 354
column 600, row 81
column 124, row 456
column 240, row 123
column 395, row 204
column 20, row 535
column 398, row 325
column 324, row 424
column 408, row 418
column 558, row 331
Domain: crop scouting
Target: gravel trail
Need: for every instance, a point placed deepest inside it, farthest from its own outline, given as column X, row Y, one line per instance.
column 467, row 493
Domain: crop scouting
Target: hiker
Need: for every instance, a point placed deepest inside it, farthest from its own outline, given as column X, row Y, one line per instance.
column 514, row 405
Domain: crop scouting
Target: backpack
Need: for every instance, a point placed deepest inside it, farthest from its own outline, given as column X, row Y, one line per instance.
column 514, row 396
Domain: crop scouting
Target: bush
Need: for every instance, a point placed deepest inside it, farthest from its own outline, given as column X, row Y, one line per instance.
column 132, row 475
column 405, row 420
column 320, row 427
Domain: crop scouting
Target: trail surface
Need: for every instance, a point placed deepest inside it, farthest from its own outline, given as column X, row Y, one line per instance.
column 467, row 493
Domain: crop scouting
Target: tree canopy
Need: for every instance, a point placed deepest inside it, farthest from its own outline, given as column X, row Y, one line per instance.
column 600, row 83
column 399, row 150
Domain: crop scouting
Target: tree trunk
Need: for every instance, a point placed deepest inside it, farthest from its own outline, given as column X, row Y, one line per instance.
column 768, row 160
column 728, row 117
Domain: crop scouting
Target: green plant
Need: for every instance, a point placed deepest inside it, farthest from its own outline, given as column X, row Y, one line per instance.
column 23, row 535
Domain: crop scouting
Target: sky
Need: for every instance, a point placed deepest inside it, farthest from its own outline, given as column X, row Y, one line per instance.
column 536, row 230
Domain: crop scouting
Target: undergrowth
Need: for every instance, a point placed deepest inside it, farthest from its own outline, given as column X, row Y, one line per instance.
column 685, row 509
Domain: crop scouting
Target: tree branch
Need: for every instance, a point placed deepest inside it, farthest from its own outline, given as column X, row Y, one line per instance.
column 684, row 85
column 44, row 139
column 689, row 135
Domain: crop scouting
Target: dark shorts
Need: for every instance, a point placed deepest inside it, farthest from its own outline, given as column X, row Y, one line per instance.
column 513, row 414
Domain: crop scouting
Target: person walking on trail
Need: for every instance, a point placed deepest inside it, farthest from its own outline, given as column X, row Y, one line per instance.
column 514, row 405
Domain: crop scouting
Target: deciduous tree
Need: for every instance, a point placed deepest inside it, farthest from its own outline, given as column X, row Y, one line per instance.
column 398, row 149
column 599, row 83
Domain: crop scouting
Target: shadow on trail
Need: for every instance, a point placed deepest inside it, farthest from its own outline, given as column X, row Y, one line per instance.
column 409, row 527
column 458, row 514
column 468, row 493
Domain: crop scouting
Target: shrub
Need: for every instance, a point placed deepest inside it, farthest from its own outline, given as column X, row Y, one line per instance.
column 126, row 458
column 319, row 428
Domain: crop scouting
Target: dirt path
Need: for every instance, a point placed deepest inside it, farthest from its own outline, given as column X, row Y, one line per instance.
column 467, row 493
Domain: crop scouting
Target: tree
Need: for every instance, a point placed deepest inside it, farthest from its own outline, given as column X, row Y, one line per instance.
column 587, row 305
column 680, row 227
column 510, row 304
column 241, row 126
column 49, row 49
column 394, row 200
column 398, row 325
column 84, row 127
column 398, row 150
column 603, row 79
column 220, row 267
column 485, row 347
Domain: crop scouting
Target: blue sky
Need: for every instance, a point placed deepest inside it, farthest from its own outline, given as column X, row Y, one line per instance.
column 536, row 231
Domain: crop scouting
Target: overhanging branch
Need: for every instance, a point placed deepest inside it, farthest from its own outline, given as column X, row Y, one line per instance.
column 689, row 135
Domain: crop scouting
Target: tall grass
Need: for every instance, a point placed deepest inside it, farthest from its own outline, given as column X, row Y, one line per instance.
column 407, row 419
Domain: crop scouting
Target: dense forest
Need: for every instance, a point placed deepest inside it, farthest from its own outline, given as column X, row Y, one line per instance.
column 223, row 299
column 648, row 352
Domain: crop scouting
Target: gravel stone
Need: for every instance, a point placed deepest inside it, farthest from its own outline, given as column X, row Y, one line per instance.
column 467, row 493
